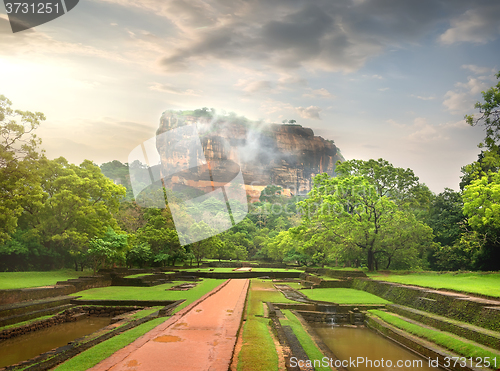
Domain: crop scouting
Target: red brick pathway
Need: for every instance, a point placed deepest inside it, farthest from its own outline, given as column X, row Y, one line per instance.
column 202, row 336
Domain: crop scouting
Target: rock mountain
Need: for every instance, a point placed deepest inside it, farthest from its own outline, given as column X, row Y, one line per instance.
column 287, row 155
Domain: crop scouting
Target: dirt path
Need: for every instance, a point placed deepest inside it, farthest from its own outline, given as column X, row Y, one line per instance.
column 200, row 337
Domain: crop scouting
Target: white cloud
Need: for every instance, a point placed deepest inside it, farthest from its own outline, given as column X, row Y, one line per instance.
column 462, row 99
column 168, row 88
column 311, row 112
column 318, row 93
column 478, row 70
column 254, row 86
column 383, row 89
column 423, row 98
column 478, row 25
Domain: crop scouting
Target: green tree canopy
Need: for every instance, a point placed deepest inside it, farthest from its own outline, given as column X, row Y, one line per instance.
column 489, row 115
column 18, row 148
column 400, row 185
column 70, row 204
column 350, row 212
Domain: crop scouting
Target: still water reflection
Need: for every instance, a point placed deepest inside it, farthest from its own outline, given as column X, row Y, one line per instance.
column 27, row 346
column 350, row 343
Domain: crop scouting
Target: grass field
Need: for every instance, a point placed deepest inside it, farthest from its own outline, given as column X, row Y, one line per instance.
column 151, row 293
column 225, row 270
column 19, row 280
column 473, row 282
column 258, row 351
column 312, row 351
column 139, row 275
column 343, row 296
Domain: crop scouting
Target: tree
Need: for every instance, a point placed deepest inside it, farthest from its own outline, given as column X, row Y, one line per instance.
column 139, row 255
column 350, row 211
column 481, row 184
column 107, row 251
column 18, row 148
column 119, row 173
column 398, row 184
column 208, row 243
column 160, row 235
column 69, row 205
column 482, row 208
column 446, row 216
column 489, row 116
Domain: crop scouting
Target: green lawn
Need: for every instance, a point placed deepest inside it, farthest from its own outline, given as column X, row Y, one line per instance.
column 224, row 270
column 218, row 270
column 151, row 293
column 343, row 296
column 139, row 275
column 18, row 280
column 313, row 353
column 258, row 351
column 475, row 283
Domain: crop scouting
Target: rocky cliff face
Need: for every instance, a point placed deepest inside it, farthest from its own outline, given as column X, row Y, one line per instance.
column 284, row 155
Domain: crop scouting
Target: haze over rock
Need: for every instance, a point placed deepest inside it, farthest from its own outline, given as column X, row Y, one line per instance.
column 287, row 155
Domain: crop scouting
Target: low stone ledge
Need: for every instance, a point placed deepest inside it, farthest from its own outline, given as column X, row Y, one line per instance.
column 34, row 293
column 141, row 303
column 422, row 347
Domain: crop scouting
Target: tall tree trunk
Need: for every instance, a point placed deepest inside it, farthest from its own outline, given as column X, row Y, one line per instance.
column 370, row 260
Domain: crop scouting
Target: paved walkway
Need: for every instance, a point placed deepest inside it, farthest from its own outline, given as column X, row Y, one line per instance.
column 201, row 337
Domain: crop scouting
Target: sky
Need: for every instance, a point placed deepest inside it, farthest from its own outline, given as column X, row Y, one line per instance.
column 385, row 79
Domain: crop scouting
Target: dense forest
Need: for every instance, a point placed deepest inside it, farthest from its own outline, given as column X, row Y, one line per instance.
column 56, row 214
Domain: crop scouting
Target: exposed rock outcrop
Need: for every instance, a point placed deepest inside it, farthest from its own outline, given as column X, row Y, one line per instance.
column 284, row 155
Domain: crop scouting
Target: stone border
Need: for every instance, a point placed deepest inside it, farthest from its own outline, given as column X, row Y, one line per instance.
column 477, row 334
column 50, row 359
column 422, row 347
column 327, row 352
column 480, row 312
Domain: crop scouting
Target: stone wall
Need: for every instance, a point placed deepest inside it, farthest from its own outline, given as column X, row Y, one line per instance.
column 334, row 273
column 480, row 312
column 17, row 295
column 61, row 288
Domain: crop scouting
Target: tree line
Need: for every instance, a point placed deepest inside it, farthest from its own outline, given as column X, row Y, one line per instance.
column 56, row 214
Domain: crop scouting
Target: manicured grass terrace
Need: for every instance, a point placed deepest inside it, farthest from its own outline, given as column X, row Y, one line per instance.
column 472, row 282
column 96, row 354
column 312, row 351
column 19, row 280
column 343, row 296
column 151, row 293
column 139, row 275
column 225, row 270
column 258, row 351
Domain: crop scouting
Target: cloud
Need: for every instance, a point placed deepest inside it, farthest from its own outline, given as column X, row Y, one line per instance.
column 325, row 35
column 255, row 86
column 423, row 98
column 167, row 88
column 311, row 112
column 461, row 100
column 421, row 131
column 478, row 25
column 478, row 70
column 318, row 93
column 383, row 89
